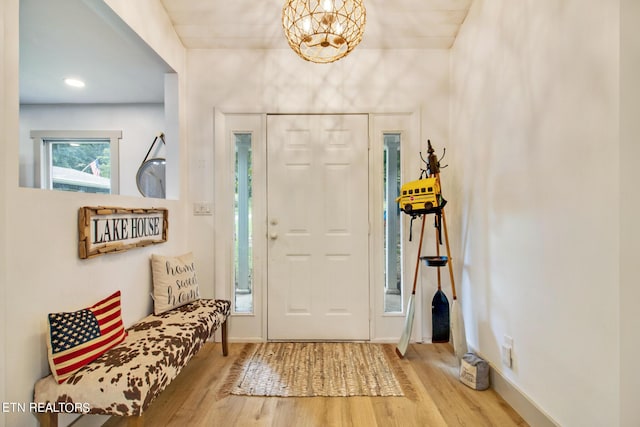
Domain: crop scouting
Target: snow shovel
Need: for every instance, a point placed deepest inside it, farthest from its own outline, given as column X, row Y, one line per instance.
column 439, row 305
column 401, row 348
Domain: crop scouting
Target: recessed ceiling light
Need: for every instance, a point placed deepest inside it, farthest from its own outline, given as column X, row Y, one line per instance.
column 74, row 82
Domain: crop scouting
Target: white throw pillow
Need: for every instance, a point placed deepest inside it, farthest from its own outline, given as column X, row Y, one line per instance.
column 175, row 282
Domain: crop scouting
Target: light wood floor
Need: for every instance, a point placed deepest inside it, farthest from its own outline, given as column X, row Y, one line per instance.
column 440, row 399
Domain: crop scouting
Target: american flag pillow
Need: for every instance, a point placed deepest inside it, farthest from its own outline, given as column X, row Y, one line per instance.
column 76, row 338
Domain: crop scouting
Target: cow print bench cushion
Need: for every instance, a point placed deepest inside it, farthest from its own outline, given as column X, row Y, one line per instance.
column 127, row 378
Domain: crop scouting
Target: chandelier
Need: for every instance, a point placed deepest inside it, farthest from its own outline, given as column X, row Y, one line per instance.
column 323, row 31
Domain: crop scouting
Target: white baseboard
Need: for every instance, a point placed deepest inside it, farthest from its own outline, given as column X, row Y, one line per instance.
column 532, row 414
column 523, row 405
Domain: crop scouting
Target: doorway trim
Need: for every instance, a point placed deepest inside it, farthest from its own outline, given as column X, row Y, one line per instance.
column 252, row 327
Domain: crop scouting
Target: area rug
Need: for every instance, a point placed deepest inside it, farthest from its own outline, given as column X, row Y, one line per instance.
column 317, row 369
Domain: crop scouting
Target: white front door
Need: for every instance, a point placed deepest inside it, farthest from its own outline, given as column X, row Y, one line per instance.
column 318, row 226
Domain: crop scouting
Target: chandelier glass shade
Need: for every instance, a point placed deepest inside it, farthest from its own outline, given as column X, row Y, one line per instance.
column 323, row 31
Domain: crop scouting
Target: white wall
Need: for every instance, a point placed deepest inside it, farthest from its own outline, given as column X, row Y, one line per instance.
column 8, row 164
column 41, row 271
column 278, row 81
column 139, row 123
column 629, row 208
column 534, row 126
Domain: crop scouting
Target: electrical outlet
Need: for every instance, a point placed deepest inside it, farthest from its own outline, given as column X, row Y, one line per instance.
column 506, row 356
column 202, row 208
column 507, row 351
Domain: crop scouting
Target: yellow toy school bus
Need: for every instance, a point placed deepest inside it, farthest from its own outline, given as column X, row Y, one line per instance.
column 419, row 196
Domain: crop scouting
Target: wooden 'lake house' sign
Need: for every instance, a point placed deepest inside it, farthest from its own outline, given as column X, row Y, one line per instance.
column 105, row 229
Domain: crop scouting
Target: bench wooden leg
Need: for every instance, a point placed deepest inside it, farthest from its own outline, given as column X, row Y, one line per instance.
column 225, row 348
column 48, row 419
column 135, row 421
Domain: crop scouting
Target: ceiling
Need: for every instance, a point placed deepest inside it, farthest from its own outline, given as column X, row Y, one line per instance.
column 87, row 40
column 84, row 38
column 256, row 24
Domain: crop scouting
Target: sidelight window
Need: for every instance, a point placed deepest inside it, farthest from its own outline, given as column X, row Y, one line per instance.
column 392, row 240
column 243, row 265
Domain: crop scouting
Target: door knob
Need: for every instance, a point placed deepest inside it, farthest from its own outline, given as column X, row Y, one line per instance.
column 273, row 236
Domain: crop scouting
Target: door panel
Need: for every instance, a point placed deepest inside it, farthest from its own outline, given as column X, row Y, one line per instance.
column 317, row 203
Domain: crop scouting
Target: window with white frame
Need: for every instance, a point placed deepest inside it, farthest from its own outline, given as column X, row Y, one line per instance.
column 79, row 161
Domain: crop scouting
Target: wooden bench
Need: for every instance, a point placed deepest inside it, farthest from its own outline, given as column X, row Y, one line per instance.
column 126, row 379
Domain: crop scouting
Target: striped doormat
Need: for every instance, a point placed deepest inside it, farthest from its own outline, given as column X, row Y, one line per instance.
column 305, row 369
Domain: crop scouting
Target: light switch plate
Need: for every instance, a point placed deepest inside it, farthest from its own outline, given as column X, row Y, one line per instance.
column 202, row 208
